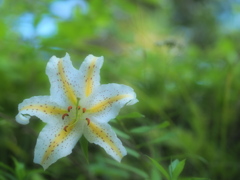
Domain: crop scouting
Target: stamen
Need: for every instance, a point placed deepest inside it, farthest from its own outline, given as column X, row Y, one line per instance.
column 63, row 116
column 88, row 120
column 77, row 116
column 69, row 108
column 65, row 128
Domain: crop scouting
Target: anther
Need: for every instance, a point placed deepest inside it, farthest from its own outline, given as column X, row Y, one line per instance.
column 63, row 116
column 88, row 120
column 84, row 110
column 69, row 108
column 65, row 128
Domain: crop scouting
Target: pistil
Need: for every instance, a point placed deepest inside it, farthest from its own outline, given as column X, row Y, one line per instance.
column 79, row 112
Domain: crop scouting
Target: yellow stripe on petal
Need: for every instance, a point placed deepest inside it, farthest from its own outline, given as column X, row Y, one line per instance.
column 105, row 103
column 89, row 77
column 66, row 85
column 59, row 138
column 44, row 108
column 105, row 137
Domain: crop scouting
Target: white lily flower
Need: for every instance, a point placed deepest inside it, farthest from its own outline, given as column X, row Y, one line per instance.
column 78, row 105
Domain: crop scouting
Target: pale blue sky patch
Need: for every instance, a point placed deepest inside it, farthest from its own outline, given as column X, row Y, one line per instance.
column 25, row 26
column 46, row 27
column 64, row 9
column 229, row 17
column 1, row 2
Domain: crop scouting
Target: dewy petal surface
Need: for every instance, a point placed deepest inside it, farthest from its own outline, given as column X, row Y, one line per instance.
column 107, row 100
column 64, row 80
column 40, row 106
column 54, row 143
column 89, row 74
column 102, row 135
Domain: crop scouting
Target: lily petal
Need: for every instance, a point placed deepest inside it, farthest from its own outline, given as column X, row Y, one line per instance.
column 63, row 78
column 105, row 103
column 40, row 106
column 55, row 142
column 102, row 135
column 90, row 74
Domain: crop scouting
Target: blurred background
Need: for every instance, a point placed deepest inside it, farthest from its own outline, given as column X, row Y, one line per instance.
column 180, row 56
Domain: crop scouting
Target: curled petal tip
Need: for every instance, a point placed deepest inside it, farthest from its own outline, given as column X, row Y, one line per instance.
column 44, row 166
column 22, row 118
column 119, row 159
column 131, row 102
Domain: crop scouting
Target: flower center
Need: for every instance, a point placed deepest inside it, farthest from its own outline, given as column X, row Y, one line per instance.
column 78, row 113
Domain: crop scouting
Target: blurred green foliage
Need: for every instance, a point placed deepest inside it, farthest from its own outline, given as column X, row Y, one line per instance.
column 182, row 59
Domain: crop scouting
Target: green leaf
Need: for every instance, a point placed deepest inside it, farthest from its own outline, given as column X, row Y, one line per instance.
column 19, row 169
column 84, row 147
column 163, row 124
column 172, row 166
column 5, row 175
column 131, row 116
column 141, row 129
column 160, row 168
column 155, row 174
column 178, row 169
column 144, row 129
column 130, row 168
column 6, row 167
column 157, row 140
column 133, row 152
column 175, row 168
column 121, row 133
column 196, row 178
